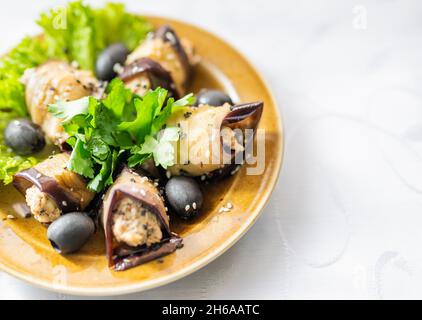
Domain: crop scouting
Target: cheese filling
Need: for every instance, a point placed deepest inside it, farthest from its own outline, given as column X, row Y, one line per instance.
column 135, row 225
column 42, row 206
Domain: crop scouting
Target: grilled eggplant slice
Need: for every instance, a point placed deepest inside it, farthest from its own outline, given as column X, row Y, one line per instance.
column 51, row 189
column 166, row 49
column 52, row 81
column 145, row 74
column 135, row 222
column 208, row 142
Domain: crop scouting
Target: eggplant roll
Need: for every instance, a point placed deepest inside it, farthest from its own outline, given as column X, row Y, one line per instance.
column 135, row 222
column 208, row 137
column 173, row 55
column 50, row 189
column 52, row 81
column 144, row 74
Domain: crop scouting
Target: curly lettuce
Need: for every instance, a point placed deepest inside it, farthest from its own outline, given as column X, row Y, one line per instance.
column 75, row 32
column 79, row 33
column 28, row 54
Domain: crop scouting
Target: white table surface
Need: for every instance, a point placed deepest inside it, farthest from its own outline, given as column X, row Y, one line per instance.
column 346, row 218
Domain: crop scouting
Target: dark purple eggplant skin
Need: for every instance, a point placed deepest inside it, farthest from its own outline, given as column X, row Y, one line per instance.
column 157, row 75
column 144, row 255
column 32, row 177
column 246, row 116
column 167, row 34
column 125, row 257
column 240, row 112
column 236, row 118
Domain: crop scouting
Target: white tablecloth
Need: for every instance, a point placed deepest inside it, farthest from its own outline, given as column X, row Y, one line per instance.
column 345, row 220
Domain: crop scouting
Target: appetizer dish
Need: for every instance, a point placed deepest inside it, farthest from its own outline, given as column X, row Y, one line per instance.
column 102, row 133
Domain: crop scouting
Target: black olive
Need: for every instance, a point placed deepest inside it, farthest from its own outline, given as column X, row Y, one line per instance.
column 70, row 232
column 24, row 137
column 214, row 98
column 108, row 58
column 184, row 196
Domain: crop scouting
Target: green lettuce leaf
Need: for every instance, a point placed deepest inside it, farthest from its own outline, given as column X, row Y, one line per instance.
column 116, row 25
column 11, row 164
column 75, row 32
column 70, row 33
column 29, row 53
column 79, row 33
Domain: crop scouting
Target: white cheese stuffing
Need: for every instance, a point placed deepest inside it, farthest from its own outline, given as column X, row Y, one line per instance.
column 135, row 225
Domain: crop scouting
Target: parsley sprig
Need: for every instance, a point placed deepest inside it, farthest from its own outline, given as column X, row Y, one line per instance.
column 123, row 127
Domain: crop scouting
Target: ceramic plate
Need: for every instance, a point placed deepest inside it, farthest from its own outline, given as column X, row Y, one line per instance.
column 26, row 254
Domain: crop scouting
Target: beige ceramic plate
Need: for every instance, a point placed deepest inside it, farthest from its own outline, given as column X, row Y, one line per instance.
column 26, row 254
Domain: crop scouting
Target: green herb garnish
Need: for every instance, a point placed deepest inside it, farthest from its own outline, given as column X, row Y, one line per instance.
column 123, row 127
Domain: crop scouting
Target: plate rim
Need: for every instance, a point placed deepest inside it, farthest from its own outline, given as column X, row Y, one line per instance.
column 205, row 260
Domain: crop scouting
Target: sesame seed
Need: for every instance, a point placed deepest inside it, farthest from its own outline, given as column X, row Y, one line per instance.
column 194, row 206
column 118, row 68
column 187, row 208
column 64, row 203
column 229, row 205
column 235, row 170
column 10, row 217
column 38, row 175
